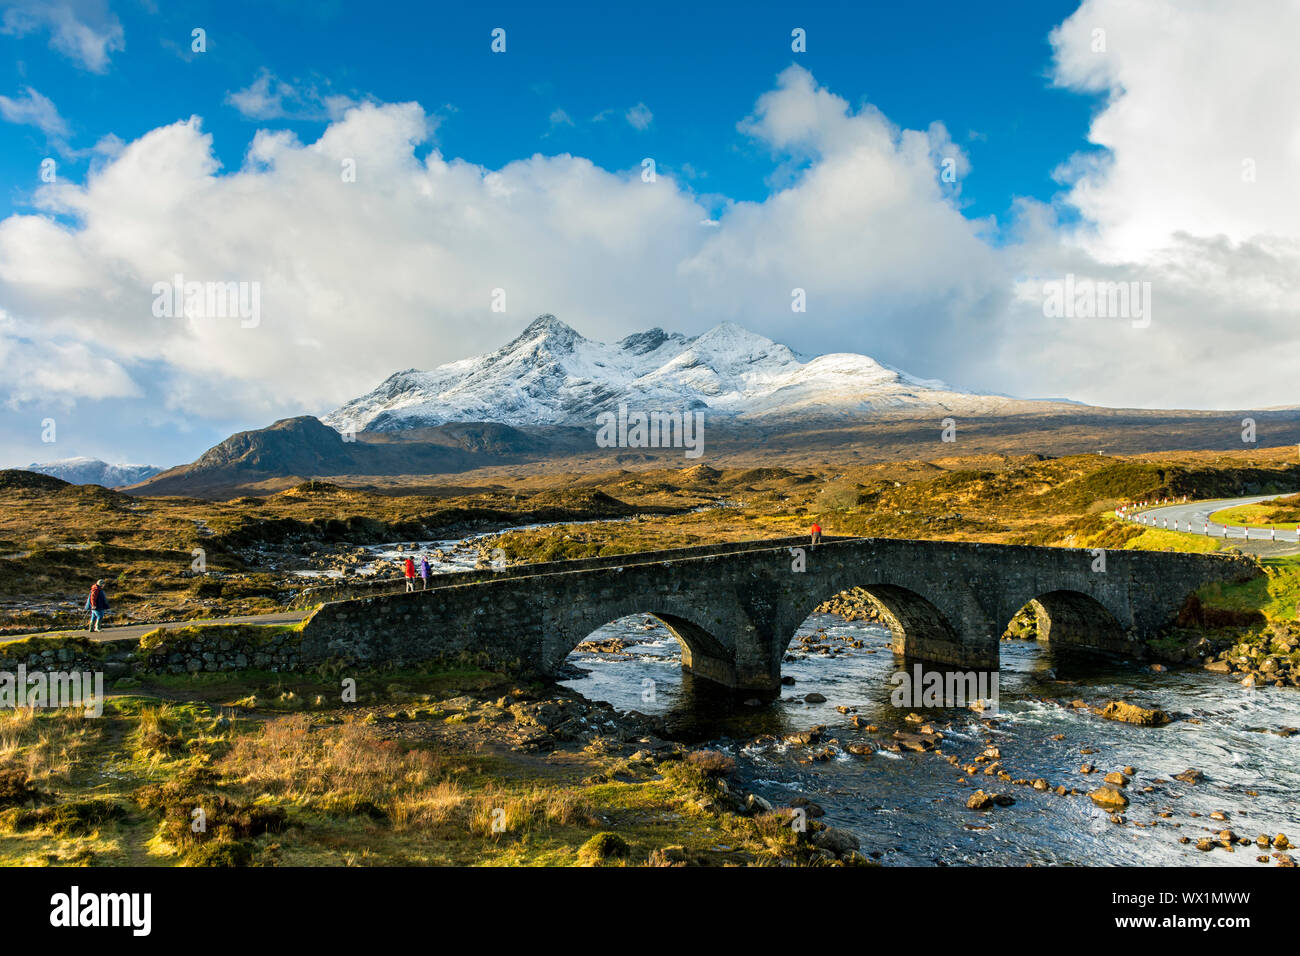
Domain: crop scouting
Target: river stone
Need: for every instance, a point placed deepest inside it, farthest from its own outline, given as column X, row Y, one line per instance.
column 1108, row 798
column 835, row 840
column 1133, row 714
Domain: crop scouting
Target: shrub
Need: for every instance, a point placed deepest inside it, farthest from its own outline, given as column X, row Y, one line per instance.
column 78, row 818
column 603, row 846
column 15, row 789
column 711, row 763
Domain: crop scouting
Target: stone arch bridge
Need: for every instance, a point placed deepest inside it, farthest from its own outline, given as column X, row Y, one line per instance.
column 736, row 607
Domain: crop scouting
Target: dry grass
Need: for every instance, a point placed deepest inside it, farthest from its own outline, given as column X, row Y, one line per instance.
column 46, row 747
column 289, row 758
column 348, row 768
column 711, row 763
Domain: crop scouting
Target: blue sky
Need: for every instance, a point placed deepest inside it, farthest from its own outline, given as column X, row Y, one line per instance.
column 1154, row 143
column 983, row 74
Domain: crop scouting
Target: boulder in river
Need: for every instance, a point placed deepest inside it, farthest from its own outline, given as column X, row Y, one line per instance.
column 1133, row 714
column 836, row 840
column 1108, row 798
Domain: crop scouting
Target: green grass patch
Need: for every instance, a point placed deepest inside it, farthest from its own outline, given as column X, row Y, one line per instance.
column 1265, row 515
column 1274, row 593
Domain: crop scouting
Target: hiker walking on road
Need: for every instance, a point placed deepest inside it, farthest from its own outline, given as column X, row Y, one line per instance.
column 97, row 605
column 409, row 567
column 424, row 570
column 816, row 533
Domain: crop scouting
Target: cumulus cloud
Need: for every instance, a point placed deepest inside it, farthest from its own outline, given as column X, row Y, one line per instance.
column 1191, row 189
column 1201, row 127
column 82, row 30
column 374, row 251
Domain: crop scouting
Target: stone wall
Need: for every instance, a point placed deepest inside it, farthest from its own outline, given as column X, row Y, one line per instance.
column 227, row 647
column 74, row 653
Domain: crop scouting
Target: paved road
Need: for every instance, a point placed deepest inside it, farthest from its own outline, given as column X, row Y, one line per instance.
column 135, row 631
column 1196, row 515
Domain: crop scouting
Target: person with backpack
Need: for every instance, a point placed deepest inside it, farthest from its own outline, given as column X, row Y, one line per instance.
column 424, row 570
column 97, row 605
column 409, row 568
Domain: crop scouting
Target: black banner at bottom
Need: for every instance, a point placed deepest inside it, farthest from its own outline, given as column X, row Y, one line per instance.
column 332, row 906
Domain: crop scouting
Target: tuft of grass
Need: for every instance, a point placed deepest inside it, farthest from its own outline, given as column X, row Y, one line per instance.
column 47, row 745
column 74, row 818
column 602, row 847
column 711, row 763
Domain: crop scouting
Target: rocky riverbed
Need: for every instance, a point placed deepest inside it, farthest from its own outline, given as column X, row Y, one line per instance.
column 1079, row 762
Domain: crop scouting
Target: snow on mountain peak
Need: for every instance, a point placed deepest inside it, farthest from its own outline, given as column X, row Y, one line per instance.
column 551, row 375
column 547, row 329
column 83, row 470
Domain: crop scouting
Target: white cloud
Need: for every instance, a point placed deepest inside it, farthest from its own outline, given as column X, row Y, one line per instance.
column 59, row 371
column 31, row 108
column 359, row 279
column 82, row 30
column 1194, row 95
column 268, row 97
column 639, row 117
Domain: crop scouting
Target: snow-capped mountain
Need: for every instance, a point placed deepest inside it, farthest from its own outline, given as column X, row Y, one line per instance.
column 551, row 375
column 93, row 471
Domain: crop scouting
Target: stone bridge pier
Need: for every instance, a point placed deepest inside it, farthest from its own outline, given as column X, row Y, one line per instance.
column 736, row 608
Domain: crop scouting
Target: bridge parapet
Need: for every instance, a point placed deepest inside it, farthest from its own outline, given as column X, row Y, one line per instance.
column 347, row 589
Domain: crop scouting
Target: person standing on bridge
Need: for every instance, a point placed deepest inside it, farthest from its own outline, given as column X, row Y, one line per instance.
column 97, row 605
column 816, row 533
column 424, row 570
column 409, row 568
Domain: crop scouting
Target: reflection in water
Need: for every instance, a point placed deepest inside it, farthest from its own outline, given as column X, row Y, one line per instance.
column 910, row 808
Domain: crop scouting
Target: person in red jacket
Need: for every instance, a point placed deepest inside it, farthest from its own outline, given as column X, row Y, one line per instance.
column 816, row 533
column 409, row 567
column 97, row 605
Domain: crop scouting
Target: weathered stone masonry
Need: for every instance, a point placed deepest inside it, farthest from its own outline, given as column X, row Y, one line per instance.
column 735, row 608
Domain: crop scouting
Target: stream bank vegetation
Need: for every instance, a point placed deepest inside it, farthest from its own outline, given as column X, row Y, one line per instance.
column 434, row 767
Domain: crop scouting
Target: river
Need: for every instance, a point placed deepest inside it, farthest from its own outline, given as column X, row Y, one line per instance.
column 910, row 808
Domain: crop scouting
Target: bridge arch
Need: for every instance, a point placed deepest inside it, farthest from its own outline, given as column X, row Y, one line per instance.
column 703, row 654
column 924, row 626
column 1070, row 619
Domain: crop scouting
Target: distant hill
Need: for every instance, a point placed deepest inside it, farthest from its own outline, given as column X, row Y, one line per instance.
column 295, row 449
column 93, row 471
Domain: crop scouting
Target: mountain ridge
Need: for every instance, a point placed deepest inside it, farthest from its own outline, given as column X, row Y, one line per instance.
column 83, row 470
column 550, row 374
